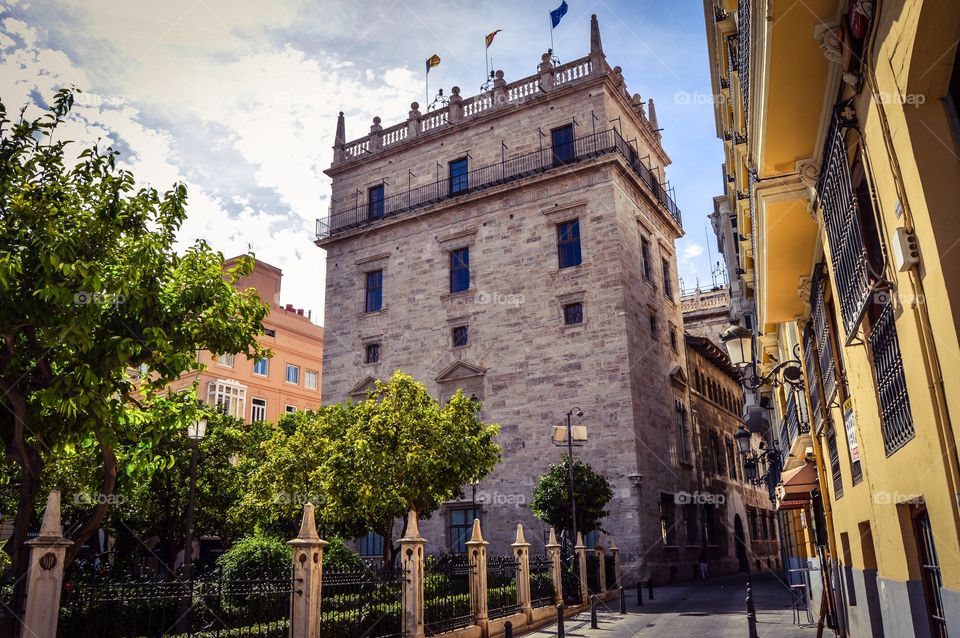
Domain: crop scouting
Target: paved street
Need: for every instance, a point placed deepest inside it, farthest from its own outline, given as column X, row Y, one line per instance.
column 703, row 609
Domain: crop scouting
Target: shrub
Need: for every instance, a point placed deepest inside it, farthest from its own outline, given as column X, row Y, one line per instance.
column 254, row 557
column 337, row 557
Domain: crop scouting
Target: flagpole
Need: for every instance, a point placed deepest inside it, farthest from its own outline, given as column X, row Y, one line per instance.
column 552, row 52
column 486, row 57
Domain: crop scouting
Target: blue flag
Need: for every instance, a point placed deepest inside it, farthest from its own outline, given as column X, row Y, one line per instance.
column 558, row 13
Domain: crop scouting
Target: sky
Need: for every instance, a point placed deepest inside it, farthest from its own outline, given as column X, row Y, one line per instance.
column 238, row 99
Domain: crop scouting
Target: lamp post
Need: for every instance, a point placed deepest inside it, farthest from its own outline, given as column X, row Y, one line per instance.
column 739, row 343
column 561, row 437
column 195, row 432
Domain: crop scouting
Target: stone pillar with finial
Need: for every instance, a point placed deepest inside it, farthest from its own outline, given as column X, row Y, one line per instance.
column 546, row 72
column 615, row 552
column 412, row 560
column 499, row 89
column 652, row 117
column 477, row 555
column 45, row 573
column 602, row 566
column 305, row 595
column 339, row 140
column 376, row 136
column 581, row 551
column 455, row 111
column 598, row 61
column 553, row 555
column 413, row 120
column 521, row 551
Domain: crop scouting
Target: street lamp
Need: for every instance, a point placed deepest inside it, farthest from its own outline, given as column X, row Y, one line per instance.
column 559, row 438
column 739, row 343
column 752, row 459
column 195, row 432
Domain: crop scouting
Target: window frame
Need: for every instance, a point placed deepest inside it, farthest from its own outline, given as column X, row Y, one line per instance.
column 254, row 406
column 467, row 526
column 569, row 246
column 458, row 182
column 373, row 291
column 459, row 261
column 574, row 306
column 371, row 348
column 667, row 274
column 287, row 409
column 375, row 204
column 227, row 360
column 286, row 375
column 567, row 148
column 465, row 331
column 266, row 365
column 316, row 379
column 645, row 258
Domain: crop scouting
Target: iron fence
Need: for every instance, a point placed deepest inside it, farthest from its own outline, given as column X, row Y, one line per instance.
column 210, row 605
column 593, row 572
column 446, row 593
column 502, row 586
column 895, row 417
column 594, row 145
column 570, row 577
column 366, row 602
column 542, row 592
column 610, row 571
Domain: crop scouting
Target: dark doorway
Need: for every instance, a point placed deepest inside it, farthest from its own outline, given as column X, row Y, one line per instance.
column 741, row 543
column 930, row 572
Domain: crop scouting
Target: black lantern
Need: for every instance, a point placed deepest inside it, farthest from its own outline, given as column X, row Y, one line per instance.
column 742, row 438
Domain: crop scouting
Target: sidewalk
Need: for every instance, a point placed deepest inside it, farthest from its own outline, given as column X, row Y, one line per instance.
column 700, row 608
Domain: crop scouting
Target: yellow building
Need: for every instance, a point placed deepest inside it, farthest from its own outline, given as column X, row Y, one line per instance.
column 840, row 123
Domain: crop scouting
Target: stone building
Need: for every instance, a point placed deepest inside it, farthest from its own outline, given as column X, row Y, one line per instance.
column 706, row 313
column 510, row 244
column 264, row 389
column 739, row 520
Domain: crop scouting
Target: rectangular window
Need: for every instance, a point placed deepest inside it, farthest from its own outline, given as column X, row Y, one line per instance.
column 653, row 324
column 227, row 397
column 673, row 339
column 374, row 291
column 371, row 544
column 645, row 259
column 667, row 279
column 293, row 374
column 690, row 523
column 459, row 336
column 667, row 523
column 261, row 367
column 371, row 353
column 270, row 332
column 375, row 202
column 290, row 409
column 461, row 525
column 834, row 461
column 573, row 313
column 568, row 243
column 459, row 177
column 683, row 450
column 258, row 410
column 460, row 269
column 310, row 380
column 226, row 360
column 561, row 140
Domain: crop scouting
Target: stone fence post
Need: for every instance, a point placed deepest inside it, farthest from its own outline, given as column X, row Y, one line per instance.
column 602, row 566
column 305, row 594
column 581, row 551
column 376, row 136
column 477, row 554
column 553, row 554
column 412, row 559
column 45, row 573
column 615, row 552
column 521, row 551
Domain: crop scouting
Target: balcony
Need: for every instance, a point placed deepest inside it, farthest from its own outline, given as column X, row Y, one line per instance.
column 607, row 142
column 895, row 417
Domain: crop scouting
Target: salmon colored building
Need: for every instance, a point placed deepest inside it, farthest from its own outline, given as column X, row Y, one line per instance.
column 264, row 389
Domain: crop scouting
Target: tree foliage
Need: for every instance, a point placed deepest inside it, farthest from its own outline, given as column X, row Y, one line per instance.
column 91, row 287
column 551, row 498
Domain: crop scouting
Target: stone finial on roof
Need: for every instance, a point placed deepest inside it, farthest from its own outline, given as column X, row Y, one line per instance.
column 341, row 137
column 595, row 45
column 652, row 115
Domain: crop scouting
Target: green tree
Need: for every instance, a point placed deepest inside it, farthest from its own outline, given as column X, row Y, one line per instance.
column 551, row 498
column 367, row 464
column 91, row 287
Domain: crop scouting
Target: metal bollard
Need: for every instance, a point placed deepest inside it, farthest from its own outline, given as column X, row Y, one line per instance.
column 640, row 593
column 560, row 620
column 508, row 629
column 650, row 588
column 593, row 611
column 623, row 601
column 751, row 615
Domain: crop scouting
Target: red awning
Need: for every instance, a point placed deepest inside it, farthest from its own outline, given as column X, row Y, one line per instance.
column 795, row 487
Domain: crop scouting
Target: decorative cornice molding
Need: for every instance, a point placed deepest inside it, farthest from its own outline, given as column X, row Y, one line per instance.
column 826, row 34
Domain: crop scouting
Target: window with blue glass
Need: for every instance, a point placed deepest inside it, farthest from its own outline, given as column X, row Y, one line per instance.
column 461, row 525
column 459, row 178
column 375, row 202
column 561, row 140
column 293, row 373
column 459, row 270
column 568, row 243
column 260, row 367
column 459, row 336
column 371, row 544
column 374, row 300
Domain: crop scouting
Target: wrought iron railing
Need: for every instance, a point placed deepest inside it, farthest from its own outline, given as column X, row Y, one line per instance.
column 366, row 602
column 810, row 361
column 610, row 571
column 821, row 330
column 895, row 417
column 502, row 586
column 570, row 576
column 593, row 572
column 210, row 604
column 589, row 146
column 834, row 461
column 851, row 269
column 743, row 63
column 446, row 593
column 542, row 593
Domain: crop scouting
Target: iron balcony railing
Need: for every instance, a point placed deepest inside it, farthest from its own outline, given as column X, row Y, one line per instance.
column 821, row 330
column 579, row 149
column 813, row 376
column 743, row 49
column 854, row 281
column 895, row 416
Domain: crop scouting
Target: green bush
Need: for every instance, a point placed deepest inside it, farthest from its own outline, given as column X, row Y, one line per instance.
column 337, row 557
column 254, row 557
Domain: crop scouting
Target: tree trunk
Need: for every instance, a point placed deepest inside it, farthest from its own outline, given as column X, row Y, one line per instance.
column 31, row 465
column 107, row 486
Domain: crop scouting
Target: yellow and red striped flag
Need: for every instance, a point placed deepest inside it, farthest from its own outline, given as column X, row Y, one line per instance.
column 490, row 36
column 432, row 61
